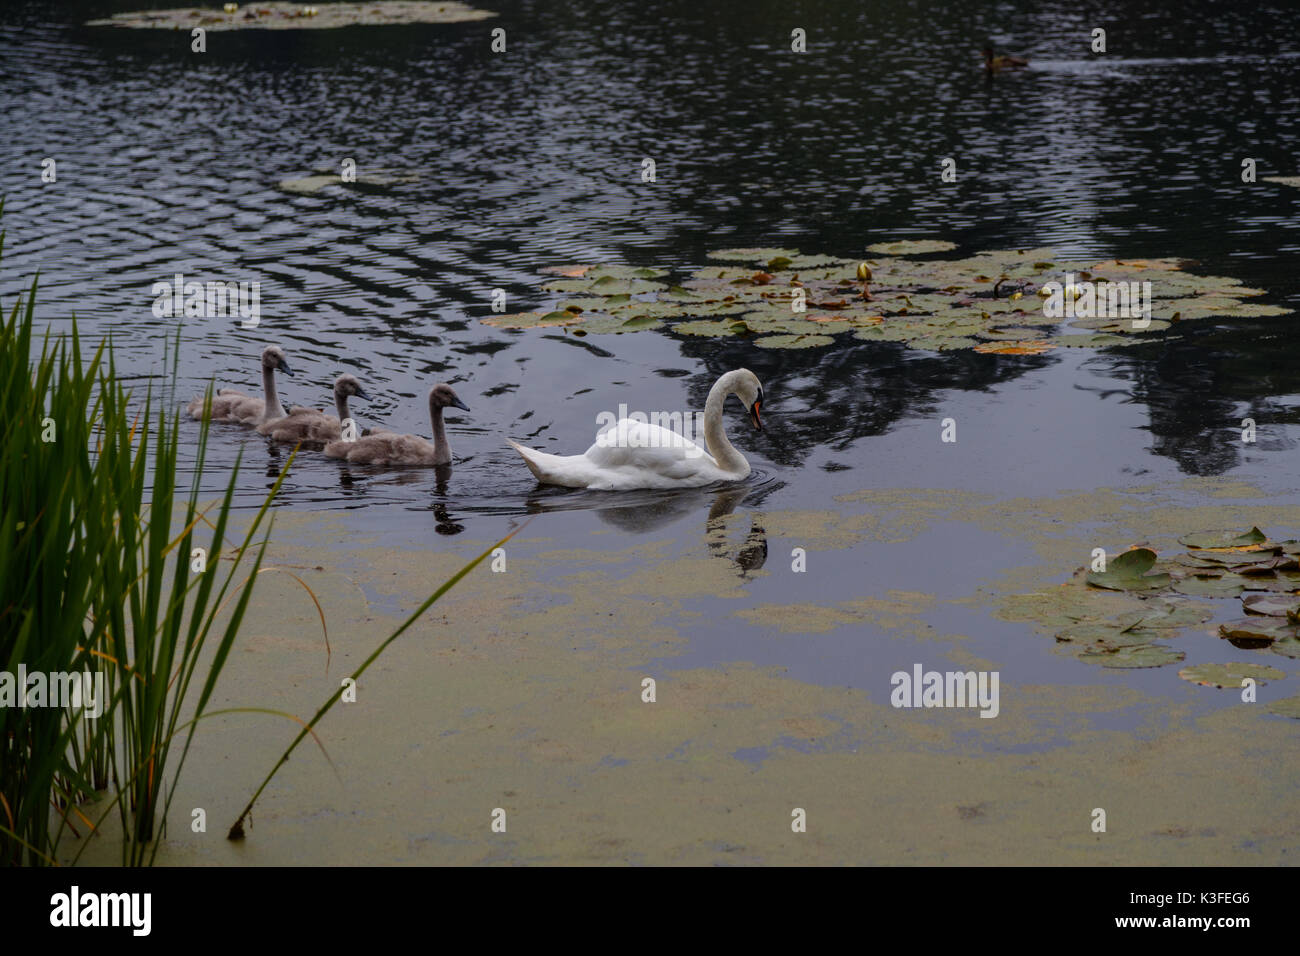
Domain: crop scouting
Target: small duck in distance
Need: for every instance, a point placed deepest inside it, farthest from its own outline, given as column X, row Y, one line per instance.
column 996, row 63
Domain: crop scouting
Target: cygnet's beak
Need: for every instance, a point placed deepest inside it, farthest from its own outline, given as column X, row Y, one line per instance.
column 284, row 367
column 461, row 405
column 361, row 393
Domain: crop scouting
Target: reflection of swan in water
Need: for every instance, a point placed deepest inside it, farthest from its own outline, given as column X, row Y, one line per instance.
column 367, row 477
column 636, row 512
column 752, row 555
column 639, row 513
column 446, row 523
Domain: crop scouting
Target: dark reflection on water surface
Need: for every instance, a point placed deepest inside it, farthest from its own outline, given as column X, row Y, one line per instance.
column 169, row 162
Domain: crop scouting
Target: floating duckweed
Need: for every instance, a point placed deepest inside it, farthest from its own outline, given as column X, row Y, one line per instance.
column 1288, row 707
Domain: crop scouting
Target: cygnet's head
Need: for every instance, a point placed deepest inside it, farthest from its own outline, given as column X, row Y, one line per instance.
column 273, row 358
column 346, row 385
column 443, row 396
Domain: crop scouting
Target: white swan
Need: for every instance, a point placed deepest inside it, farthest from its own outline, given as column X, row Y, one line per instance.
column 631, row 454
column 388, row 448
column 311, row 425
column 231, row 405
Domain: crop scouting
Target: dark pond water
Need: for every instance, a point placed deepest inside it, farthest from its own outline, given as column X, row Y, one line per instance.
column 169, row 162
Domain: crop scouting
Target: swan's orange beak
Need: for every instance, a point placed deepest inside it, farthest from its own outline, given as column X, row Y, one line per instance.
column 753, row 414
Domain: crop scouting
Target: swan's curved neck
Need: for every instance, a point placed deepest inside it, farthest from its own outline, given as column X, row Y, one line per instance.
column 441, row 450
column 715, row 436
column 273, row 407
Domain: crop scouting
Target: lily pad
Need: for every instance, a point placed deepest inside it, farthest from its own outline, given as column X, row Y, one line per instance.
column 752, row 255
column 1165, row 614
column 1142, row 655
column 984, row 302
column 1105, row 636
column 1023, row 347
column 911, row 247
column 374, row 179
column 624, row 272
column 603, row 285
column 1209, row 587
column 804, row 341
column 279, row 15
column 533, row 320
column 1128, row 572
column 608, row 324
column 1273, row 605
column 713, row 327
column 1229, row 675
column 1256, row 632
column 1287, row 647
column 1203, row 540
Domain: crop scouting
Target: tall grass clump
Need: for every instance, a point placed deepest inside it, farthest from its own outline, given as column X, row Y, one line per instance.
column 96, row 577
column 99, row 575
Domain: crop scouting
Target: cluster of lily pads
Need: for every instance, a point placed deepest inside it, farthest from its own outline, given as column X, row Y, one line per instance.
column 989, row 301
column 279, row 15
column 1125, row 615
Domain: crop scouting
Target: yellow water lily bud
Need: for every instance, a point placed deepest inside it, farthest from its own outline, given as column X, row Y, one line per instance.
column 864, row 271
column 230, row 7
column 1043, row 293
column 1016, row 295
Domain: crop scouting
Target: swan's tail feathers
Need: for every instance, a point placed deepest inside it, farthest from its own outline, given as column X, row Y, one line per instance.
column 532, row 458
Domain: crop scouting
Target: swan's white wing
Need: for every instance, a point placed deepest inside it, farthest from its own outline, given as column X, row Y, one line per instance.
column 649, row 448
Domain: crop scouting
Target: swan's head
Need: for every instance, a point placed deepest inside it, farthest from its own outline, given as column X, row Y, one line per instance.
column 442, row 396
column 347, row 385
column 750, row 391
column 273, row 358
